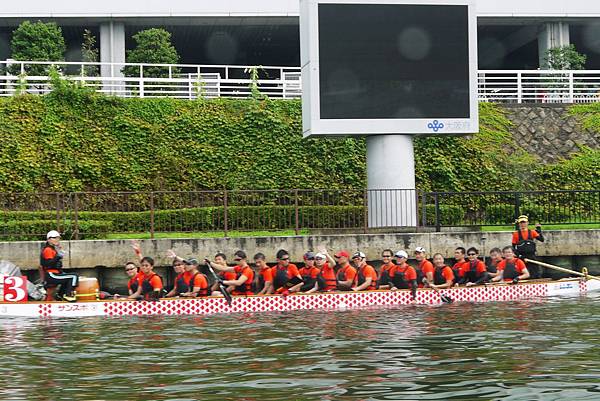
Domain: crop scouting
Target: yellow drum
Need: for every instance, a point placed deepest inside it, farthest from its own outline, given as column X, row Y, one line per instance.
column 88, row 289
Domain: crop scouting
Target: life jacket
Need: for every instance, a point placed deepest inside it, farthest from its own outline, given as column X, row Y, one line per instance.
column 341, row 276
column 420, row 274
column 510, row 270
column 246, row 287
column 399, row 280
column 309, row 281
column 361, row 279
column 438, row 277
column 281, row 279
column 457, row 268
column 327, row 279
column 384, row 276
column 53, row 265
column 133, row 283
column 470, row 272
column 181, row 285
column 203, row 292
column 147, row 287
column 525, row 247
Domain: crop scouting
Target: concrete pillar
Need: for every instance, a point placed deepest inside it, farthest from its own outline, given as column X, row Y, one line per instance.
column 553, row 34
column 391, row 181
column 112, row 50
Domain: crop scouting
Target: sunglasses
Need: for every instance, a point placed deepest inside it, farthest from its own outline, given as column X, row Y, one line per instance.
column 386, row 256
column 471, row 254
column 237, row 259
column 319, row 259
column 284, row 259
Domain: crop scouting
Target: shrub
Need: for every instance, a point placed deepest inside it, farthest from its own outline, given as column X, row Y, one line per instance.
column 37, row 41
column 448, row 215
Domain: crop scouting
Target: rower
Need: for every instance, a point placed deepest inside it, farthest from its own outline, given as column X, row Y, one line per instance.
column 220, row 265
column 134, row 274
column 459, row 257
column 495, row 258
column 366, row 277
column 402, row 275
column 383, row 281
column 425, row 268
column 150, row 284
column 473, row 271
column 265, row 275
column 511, row 269
column 325, row 263
column 51, row 268
column 523, row 242
column 196, row 283
column 286, row 276
column 180, row 285
column 244, row 276
column 345, row 273
column 443, row 277
column 309, row 274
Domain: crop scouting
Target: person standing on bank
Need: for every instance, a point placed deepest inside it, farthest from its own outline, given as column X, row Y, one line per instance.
column 51, row 268
column 523, row 242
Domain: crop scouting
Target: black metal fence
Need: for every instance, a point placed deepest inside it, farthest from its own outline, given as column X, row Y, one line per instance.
column 88, row 215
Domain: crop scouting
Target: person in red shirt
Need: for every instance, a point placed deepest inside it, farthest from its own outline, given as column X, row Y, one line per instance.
column 286, row 276
column 459, row 257
column 326, row 280
column 402, row 275
column 383, row 280
column 511, row 269
column 180, row 286
column 224, row 271
column 495, row 258
column 150, row 283
column 265, row 275
column 346, row 273
column 242, row 285
column 523, row 241
column 366, row 276
column 443, row 277
column 309, row 273
column 196, row 283
column 473, row 271
column 425, row 268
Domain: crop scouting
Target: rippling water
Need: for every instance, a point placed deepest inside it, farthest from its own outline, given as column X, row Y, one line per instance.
column 543, row 350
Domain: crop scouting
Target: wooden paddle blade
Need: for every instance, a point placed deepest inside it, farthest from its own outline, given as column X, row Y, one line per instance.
column 226, row 294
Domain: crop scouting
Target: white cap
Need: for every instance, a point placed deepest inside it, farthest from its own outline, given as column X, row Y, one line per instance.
column 320, row 256
column 420, row 249
column 401, row 254
column 52, row 234
column 359, row 255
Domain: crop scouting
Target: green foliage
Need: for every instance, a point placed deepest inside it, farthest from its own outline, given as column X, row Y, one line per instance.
column 29, row 230
column 37, row 41
column 448, row 215
column 580, row 172
column 153, row 46
column 564, row 58
column 89, row 54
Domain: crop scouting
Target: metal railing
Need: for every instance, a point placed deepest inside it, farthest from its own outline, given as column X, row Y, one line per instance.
column 88, row 215
column 190, row 81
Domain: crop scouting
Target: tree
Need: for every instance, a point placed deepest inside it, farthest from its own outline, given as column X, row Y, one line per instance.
column 565, row 58
column 89, row 53
column 153, row 46
column 37, row 41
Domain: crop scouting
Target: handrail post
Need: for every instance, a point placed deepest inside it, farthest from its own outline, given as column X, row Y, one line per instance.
column 297, row 214
column 141, row 81
column 75, row 217
column 571, row 88
column 225, row 217
column 424, row 209
column 519, row 88
column 366, row 211
column 151, row 214
column 517, row 205
column 438, row 226
column 58, row 209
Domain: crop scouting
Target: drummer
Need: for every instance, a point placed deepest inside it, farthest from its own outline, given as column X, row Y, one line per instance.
column 51, row 268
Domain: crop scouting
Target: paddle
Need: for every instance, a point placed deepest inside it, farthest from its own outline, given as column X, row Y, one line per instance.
column 445, row 298
column 562, row 269
column 222, row 287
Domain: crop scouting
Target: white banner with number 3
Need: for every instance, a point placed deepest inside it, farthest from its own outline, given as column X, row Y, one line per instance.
column 15, row 289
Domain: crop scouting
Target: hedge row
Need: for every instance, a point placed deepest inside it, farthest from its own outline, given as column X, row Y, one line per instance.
column 29, row 230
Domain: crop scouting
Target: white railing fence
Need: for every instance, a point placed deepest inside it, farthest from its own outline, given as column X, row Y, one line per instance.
column 189, row 81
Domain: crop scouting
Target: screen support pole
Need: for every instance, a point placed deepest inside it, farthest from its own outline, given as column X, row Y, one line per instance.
column 391, row 181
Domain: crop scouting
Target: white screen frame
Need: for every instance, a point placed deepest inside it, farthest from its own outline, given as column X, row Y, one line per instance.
column 313, row 125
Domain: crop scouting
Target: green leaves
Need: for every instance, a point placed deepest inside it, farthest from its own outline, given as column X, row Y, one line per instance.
column 153, row 46
column 37, row 41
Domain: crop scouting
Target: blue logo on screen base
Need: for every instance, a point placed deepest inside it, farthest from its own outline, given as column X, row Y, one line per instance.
column 435, row 126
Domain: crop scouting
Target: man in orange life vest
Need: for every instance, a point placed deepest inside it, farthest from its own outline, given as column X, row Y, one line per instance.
column 425, row 268
column 473, row 271
column 459, row 257
column 523, row 242
column 366, row 277
column 402, row 275
column 346, row 273
column 242, row 285
column 310, row 273
column 286, row 276
column 180, row 285
column 326, row 279
column 51, row 268
column 511, row 269
column 383, row 281
column 265, row 275
column 196, row 283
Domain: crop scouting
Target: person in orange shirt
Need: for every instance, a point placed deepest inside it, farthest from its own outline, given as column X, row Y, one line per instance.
column 196, row 283
column 495, row 258
column 286, row 276
column 150, row 283
column 51, row 268
column 180, row 286
column 242, row 285
column 459, row 257
column 383, row 281
column 326, row 280
column 425, row 267
column 224, row 271
column 443, row 276
column 134, row 274
column 366, row 276
column 346, row 273
column 473, row 271
column 309, row 274
column 402, row 275
column 511, row 269
column 523, row 241
column 265, row 275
